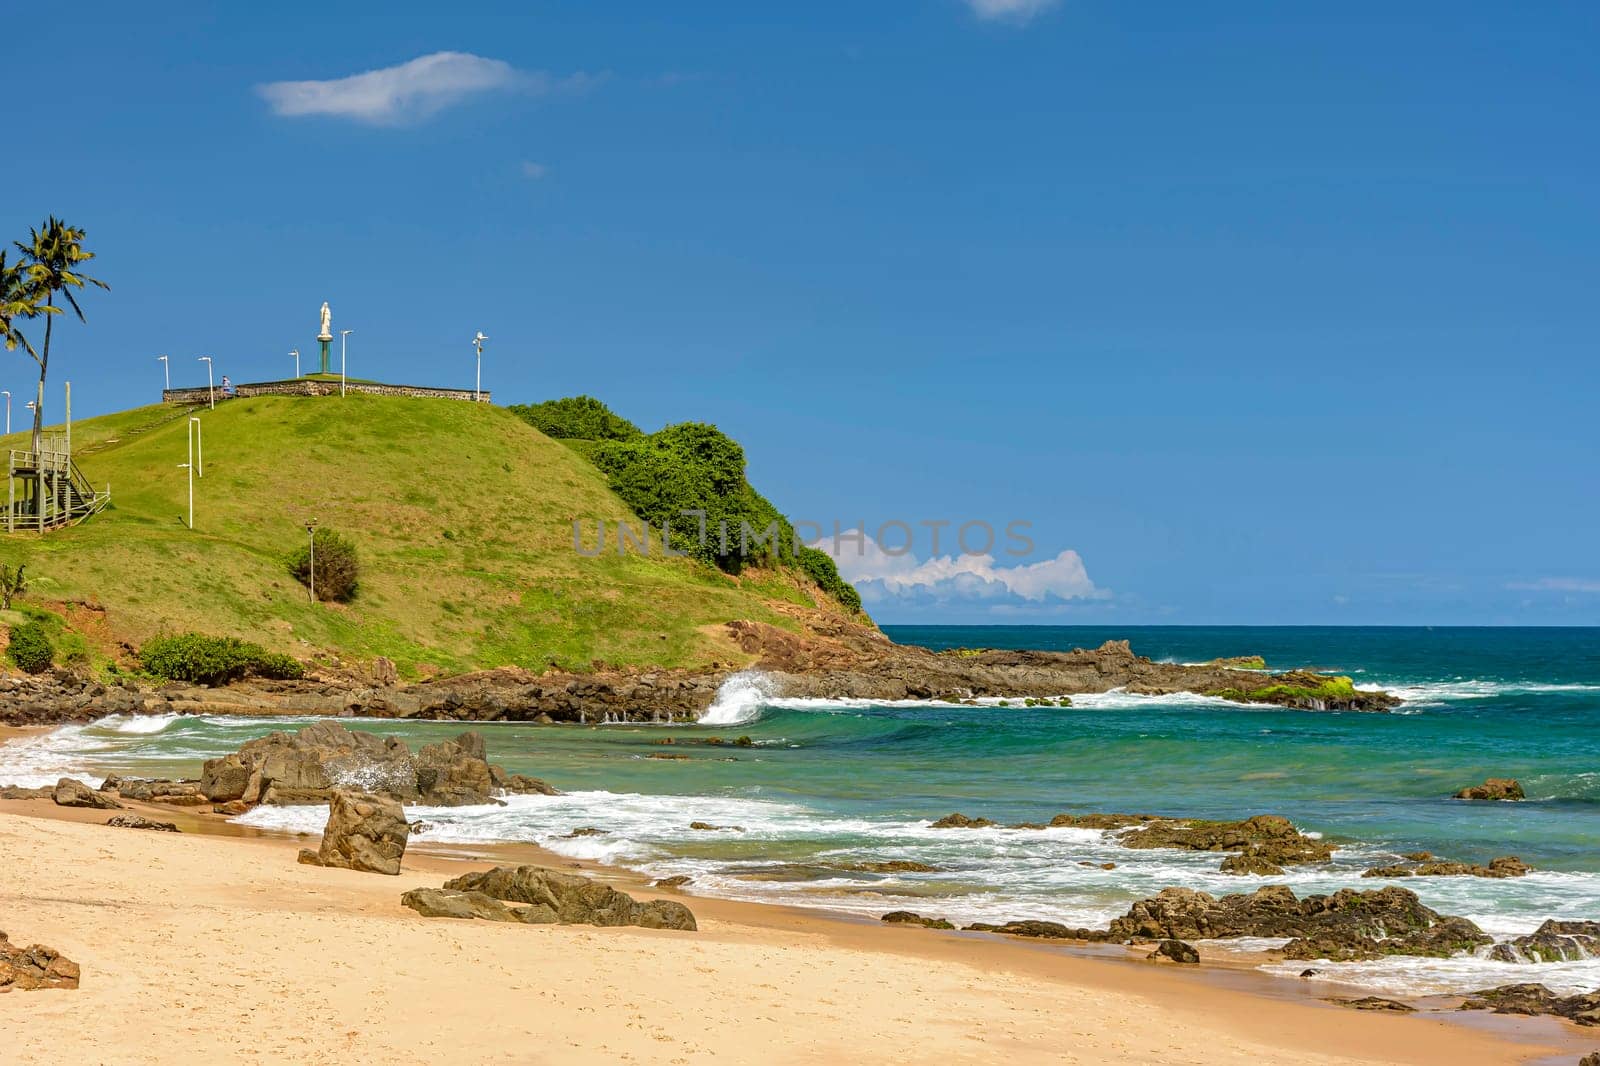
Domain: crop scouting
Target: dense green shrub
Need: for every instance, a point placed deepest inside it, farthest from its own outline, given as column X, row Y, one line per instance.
column 30, row 648
column 214, row 660
column 819, row 567
column 576, row 418
column 338, row 569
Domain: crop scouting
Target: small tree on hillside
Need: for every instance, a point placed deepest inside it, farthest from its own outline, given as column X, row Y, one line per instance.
column 338, row 571
column 12, row 584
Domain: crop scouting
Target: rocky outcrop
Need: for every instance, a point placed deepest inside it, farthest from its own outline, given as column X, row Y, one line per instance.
column 1496, row 788
column 443, row 903
column 1345, row 926
column 1554, row 941
column 1039, row 930
column 1533, row 999
column 1504, row 866
column 554, row 896
column 157, row 790
column 1250, row 864
column 364, row 832
column 34, row 967
column 1175, row 951
column 1377, row 1003
column 308, row 766
column 59, row 696
column 73, row 793
column 139, row 821
column 1265, row 837
column 913, row 918
column 892, row 866
column 1591, row 1059
column 961, row 821
column 18, row 792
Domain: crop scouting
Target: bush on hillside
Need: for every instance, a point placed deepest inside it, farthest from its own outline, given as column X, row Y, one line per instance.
column 819, row 567
column 214, row 660
column 576, row 418
column 30, row 648
column 338, row 569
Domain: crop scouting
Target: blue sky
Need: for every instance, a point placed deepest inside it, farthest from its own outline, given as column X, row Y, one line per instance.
column 1258, row 313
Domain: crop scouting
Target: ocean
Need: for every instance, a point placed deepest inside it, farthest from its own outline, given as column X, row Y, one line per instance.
column 825, row 784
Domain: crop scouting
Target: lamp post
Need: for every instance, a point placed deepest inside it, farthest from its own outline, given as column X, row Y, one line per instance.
column 189, row 466
column 200, row 445
column 343, row 336
column 311, row 571
column 296, row 354
column 166, row 369
column 211, row 392
column 477, row 391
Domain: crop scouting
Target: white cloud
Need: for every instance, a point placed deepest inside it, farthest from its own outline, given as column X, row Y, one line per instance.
column 409, row 92
column 1009, row 10
column 1558, row 584
column 533, row 170
column 960, row 577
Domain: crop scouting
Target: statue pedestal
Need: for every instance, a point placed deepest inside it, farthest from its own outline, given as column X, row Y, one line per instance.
column 325, row 339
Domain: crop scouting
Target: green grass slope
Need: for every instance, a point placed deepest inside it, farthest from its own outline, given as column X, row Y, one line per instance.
column 462, row 515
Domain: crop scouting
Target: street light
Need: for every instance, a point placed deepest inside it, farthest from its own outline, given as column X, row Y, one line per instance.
column 194, row 424
column 166, row 368
column 477, row 392
column 211, row 391
column 189, row 466
column 311, row 571
column 343, row 335
column 296, row 354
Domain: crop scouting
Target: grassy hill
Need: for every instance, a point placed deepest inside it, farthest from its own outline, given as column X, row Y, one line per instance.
column 462, row 514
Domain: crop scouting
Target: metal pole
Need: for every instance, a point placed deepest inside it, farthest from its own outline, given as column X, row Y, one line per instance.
column 190, row 467
column 69, row 421
column 211, row 390
column 201, row 446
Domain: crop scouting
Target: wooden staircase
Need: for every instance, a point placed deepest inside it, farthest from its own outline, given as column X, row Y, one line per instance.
column 48, row 491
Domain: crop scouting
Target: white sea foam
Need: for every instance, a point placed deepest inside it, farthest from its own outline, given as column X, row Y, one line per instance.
column 739, row 699
column 138, row 724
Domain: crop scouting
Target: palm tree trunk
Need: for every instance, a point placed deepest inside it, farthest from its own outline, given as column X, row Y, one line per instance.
column 44, row 365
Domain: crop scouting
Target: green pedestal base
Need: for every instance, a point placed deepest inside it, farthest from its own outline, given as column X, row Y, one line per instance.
column 325, row 356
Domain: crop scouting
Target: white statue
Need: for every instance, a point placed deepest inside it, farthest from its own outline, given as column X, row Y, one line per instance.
column 327, row 322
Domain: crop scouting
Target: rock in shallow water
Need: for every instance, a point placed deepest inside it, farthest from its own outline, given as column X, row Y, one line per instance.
column 913, row 918
column 1376, row 1003
column 1554, row 941
column 1535, row 999
column 1175, row 951
column 1496, row 788
column 139, row 821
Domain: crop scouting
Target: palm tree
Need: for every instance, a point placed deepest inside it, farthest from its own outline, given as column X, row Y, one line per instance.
column 19, row 299
column 51, row 257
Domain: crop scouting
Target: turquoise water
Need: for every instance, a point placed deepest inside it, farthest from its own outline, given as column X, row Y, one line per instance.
column 828, row 783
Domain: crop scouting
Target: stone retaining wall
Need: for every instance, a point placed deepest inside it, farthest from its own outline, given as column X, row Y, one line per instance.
column 308, row 387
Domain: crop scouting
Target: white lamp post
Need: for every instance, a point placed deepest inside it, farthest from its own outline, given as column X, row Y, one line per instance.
column 343, row 335
column 189, row 466
column 477, row 342
column 8, row 411
column 296, row 354
column 200, row 446
column 211, row 392
column 166, row 369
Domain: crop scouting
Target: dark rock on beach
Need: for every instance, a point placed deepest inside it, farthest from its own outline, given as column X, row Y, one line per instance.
column 913, row 918
column 17, row 792
column 157, row 790
column 1496, row 788
column 73, row 793
column 1377, row 1003
column 139, row 821
column 364, row 832
column 1554, row 941
column 566, row 898
column 1345, row 926
column 25, row 969
column 675, row 881
column 1040, row 930
column 1534, row 999
column 1175, row 951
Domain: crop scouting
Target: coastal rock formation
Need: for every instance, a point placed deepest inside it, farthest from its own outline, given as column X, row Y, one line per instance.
column 1533, row 999
column 1247, row 864
column 1040, row 930
column 892, row 866
column 364, row 832
column 1504, row 866
column 913, row 918
column 675, row 881
column 158, row 790
column 139, row 821
column 1554, row 941
column 1266, row 837
column 1175, row 951
column 961, row 821
column 1345, row 926
column 34, row 967
column 1496, row 788
column 1591, row 1059
column 72, row 793
column 566, row 898
column 306, row 767
column 441, row 903
column 1378, row 1003
column 18, row 792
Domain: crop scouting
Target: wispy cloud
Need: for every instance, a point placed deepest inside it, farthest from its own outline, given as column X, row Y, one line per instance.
column 1018, row 11
column 534, row 171
column 409, row 92
column 958, row 578
column 1558, row 584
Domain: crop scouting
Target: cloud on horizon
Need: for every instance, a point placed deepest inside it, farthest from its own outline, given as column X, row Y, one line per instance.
column 1018, row 11
column 882, row 577
column 408, row 92
column 1557, row 584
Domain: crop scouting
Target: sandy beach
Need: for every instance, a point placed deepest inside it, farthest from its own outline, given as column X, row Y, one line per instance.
column 217, row 945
